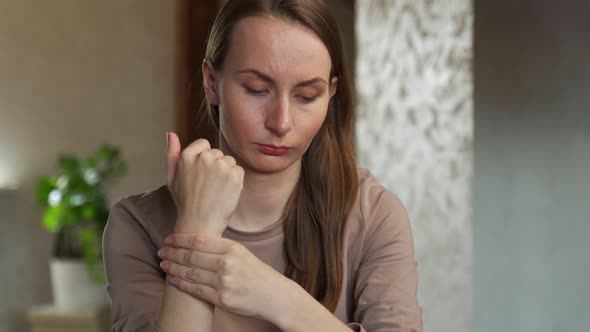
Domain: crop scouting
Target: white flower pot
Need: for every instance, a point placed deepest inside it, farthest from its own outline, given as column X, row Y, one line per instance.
column 72, row 286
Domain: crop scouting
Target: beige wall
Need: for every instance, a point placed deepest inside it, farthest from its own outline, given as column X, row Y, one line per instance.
column 75, row 74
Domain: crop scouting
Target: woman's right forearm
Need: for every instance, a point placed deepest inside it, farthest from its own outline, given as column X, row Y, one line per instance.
column 180, row 311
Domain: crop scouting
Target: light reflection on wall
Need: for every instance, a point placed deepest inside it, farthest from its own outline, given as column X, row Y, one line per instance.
column 8, row 178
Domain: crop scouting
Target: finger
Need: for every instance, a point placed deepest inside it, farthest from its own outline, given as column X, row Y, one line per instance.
column 238, row 171
column 191, row 258
column 211, row 154
column 199, row 241
column 172, row 155
column 191, row 274
column 195, row 148
column 199, row 291
column 229, row 161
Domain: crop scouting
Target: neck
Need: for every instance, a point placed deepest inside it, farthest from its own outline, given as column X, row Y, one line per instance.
column 263, row 197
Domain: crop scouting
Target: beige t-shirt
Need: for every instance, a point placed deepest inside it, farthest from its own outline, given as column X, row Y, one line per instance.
column 380, row 276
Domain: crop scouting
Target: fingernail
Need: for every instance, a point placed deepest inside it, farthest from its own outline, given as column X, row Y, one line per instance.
column 168, row 240
column 160, row 252
column 166, row 138
column 164, row 265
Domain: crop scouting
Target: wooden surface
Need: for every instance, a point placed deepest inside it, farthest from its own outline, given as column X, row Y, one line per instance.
column 49, row 318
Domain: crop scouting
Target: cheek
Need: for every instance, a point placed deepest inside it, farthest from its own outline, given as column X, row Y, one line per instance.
column 239, row 118
column 312, row 125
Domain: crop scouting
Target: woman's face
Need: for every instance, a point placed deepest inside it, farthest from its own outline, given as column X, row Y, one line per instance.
column 273, row 92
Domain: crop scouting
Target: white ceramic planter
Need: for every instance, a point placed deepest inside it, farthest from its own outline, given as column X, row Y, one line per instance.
column 72, row 286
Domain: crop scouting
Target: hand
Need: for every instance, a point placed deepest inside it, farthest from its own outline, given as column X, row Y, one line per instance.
column 204, row 183
column 226, row 274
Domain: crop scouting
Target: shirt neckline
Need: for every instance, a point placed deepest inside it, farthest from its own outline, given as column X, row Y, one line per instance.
column 265, row 233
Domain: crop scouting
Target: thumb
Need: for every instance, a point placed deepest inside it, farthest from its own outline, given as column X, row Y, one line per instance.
column 172, row 155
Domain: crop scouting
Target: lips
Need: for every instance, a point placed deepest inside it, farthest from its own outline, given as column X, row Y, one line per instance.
column 275, row 146
column 273, row 150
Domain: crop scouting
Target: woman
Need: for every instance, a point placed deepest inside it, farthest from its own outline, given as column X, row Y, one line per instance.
column 276, row 230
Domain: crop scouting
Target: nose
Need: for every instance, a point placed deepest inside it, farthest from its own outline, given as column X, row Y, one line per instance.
column 279, row 118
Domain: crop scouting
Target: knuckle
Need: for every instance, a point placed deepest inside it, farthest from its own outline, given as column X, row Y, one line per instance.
column 229, row 261
column 187, row 256
column 239, row 171
column 212, row 155
column 193, row 275
column 225, row 298
column 225, row 281
column 205, row 155
column 228, row 161
column 196, row 241
column 198, row 291
column 236, row 172
column 223, row 262
column 203, row 143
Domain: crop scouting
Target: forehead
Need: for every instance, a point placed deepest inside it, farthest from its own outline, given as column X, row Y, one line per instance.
column 277, row 47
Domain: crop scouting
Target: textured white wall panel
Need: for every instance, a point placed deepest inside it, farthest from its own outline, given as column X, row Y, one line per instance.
column 415, row 132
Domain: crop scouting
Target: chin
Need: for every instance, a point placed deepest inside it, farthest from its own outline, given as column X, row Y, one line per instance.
column 269, row 164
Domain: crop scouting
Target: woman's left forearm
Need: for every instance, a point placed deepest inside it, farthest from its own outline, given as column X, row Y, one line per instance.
column 296, row 310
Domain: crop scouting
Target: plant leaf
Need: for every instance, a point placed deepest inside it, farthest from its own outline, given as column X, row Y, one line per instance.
column 88, row 212
column 68, row 164
column 44, row 186
column 51, row 218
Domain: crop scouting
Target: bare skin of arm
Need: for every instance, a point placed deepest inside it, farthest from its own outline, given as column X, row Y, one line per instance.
column 181, row 311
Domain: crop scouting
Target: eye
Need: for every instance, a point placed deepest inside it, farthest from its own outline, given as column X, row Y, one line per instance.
column 307, row 99
column 254, row 92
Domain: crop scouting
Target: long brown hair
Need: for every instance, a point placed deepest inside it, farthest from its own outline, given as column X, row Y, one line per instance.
column 316, row 212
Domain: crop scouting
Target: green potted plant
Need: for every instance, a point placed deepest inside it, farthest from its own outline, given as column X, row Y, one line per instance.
column 76, row 211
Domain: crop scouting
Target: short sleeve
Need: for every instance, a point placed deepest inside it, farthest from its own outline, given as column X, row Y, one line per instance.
column 386, row 286
column 135, row 284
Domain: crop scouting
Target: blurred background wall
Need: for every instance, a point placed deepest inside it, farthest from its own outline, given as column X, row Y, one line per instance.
column 75, row 74
column 532, row 165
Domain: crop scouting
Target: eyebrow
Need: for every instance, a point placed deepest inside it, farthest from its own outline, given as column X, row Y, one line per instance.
column 267, row 78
